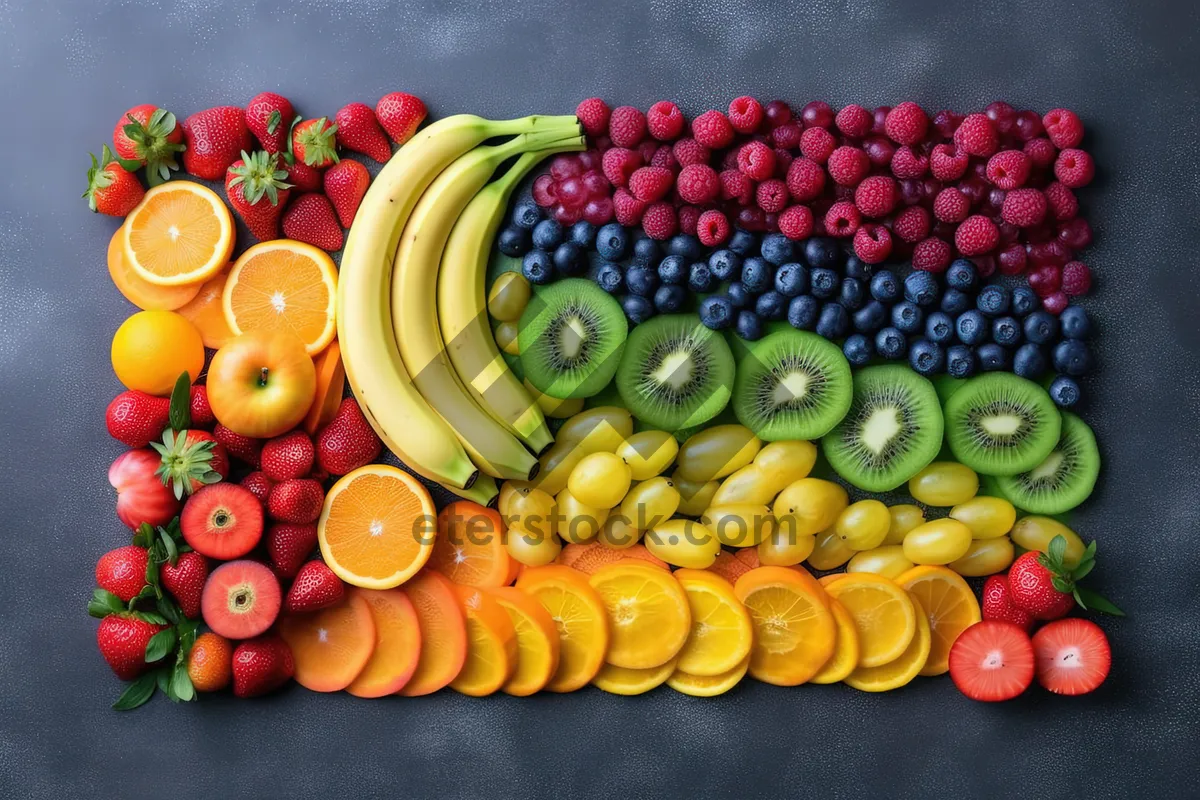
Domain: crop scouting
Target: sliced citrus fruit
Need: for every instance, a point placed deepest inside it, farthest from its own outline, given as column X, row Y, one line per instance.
column 579, row 618
column 537, row 641
column 207, row 312
column 330, row 646
column 625, row 681
column 902, row 670
column 283, row 285
column 181, row 233
column 845, row 652
column 721, row 632
column 139, row 291
column 794, row 632
column 375, row 529
column 331, row 385
column 825, row 580
column 950, row 605
column 587, row 558
column 443, row 632
column 491, row 644
column 648, row 615
column 397, row 643
column 708, row 685
column 469, row 548
column 514, row 571
column 883, row 615
column 729, row 566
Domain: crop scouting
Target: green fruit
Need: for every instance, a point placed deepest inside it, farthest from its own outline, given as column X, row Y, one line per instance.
column 571, row 338
column 1001, row 424
column 1064, row 479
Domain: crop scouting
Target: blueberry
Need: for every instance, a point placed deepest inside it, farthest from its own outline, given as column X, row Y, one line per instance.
column 514, row 241
column 612, row 242
column 858, row 350
column 537, row 267
column 884, row 287
column 716, row 312
column 960, row 361
column 637, row 308
column 993, row 357
column 738, row 295
column 749, row 326
column 609, row 278
column 547, row 234
column 955, row 302
column 684, row 245
column 526, row 213
column 870, row 317
column 1072, row 357
column 890, row 343
column 1041, row 327
column 791, row 279
column 1075, row 323
column 757, row 275
column 927, row 357
column 700, row 278
column 1025, row 301
column 803, row 311
column 970, row 327
column 743, row 243
column 673, row 270
column 833, row 322
column 1006, row 331
column 822, row 252
column 907, row 317
column 922, row 288
column 771, row 305
column 777, row 248
column 670, row 298
column 962, row 275
column 851, row 294
column 823, row 282
column 1029, row 361
column 939, row 328
column 1064, row 392
column 647, row 249
column 642, row 281
column 725, row 264
column 993, row 300
column 583, row 233
column 569, row 259
column 857, row 268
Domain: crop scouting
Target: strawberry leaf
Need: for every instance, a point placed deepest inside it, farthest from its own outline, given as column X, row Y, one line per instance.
column 180, row 414
column 137, row 693
column 1058, row 549
column 169, row 611
column 168, row 543
column 103, row 603
column 151, row 617
column 160, row 645
column 1083, row 569
column 1094, row 601
column 162, row 677
column 181, row 684
column 144, row 536
column 273, row 120
column 145, row 594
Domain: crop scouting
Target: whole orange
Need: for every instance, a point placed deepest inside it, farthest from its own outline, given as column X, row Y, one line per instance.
column 210, row 662
column 261, row 384
column 152, row 348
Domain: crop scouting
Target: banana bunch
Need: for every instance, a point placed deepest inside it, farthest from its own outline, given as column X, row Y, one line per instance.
column 439, row 401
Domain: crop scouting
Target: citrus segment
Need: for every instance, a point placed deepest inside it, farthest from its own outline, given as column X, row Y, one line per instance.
column 331, row 385
column 794, row 633
column 206, row 312
column 181, row 233
column 537, row 641
column 902, row 670
column 587, row 558
column 330, row 646
column 708, row 685
column 845, row 652
column 625, row 681
column 443, row 633
column 950, row 605
column 397, row 643
column 579, row 618
column 469, row 548
column 491, row 644
column 883, row 615
column 283, row 285
column 825, row 580
column 139, row 291
column 648, row 615
column 721, row 633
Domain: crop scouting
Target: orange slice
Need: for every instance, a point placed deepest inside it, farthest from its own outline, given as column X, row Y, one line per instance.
column 825, row 580
column 139, row 291
column 443, row 633
column 181, row 233
column 469, row 548
column 729, row 566
column 721, row 633
column 950, row 605
column 397, row 643
column 537, row 641
column 330, row 646
column 514, row 571
column 207, row 312
column 902, row 670
column 579, row 618
column 648, row 614
column 794, row 631
column 883, row 615
column 629, row 682
column 283, row 285
column 374, row 527
column 331, row 385
column 491, row 644
column 711, row 685
column 845, row 652
column 587, row 558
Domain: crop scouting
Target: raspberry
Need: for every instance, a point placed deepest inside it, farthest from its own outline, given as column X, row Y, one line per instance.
column 854, row 121
column 627, row 126
column 647, row 149
column 843, row 193
column 777, row 113
column 848, row 165
column 689, row 151
column 545, row 191
column 665, row 157
column 698, row 183
column 787, row 135
column 659, row 221
column 880, row 150
column 689, row 219
column 1056, row 303
column 946, row 122
column 908, row 163
column 736, row 186
column 951, row 205
column 1009, row 169
column 976, row 235
column 1075, row 233
column 783, row 161
column 946, row 163
column 876, row 195
column 873, row 243
column 649, row 184
column 806, row 179
column 1076, row 278
column 618, row 163
column 912, row 224
column 977, row 136
column 745, row 114
column 771, row 196
column 817, row 144
column 931, row 255
column 665, row 121
column 817, row 114
column 627, row 208
column 1074, row 168
column 756, row 160
column 712, row 129
column 1012, row 259
column 1046, row 280
column 712, row 228
column 1063, row 127
column 796, row 222
column 593, row 114
column 842, row 219
column 602, row 143
column 1024, row 207
column 906, row 123
column 1062, row 202
column 1040, row 151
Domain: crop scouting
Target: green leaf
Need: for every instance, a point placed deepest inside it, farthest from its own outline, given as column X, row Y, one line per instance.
column 1061, row 584
column 273, row 120
column 144, row 536
column 168, row 543
column 181, row 684
column 1094, row 601
column 159, row 645
column 1083, row 569
column 129, row 164
column 180, row 413
column 103, row 603
column 137, row 693
column 1058, row 548
column 162, row 677
column 151, row 617
column 145, row 593
column 169, row 611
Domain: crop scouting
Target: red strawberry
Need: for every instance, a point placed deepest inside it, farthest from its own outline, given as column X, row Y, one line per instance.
column 122, row 639
column 289, row 546
column 400, row 115
column 185, row 581
column 1073, row 656
column 358, row 130
column 148, row 135
column 190, row 459
column 135, row 418
column 243, row 448
column 258, row 191
column 348, row 441
column 296, row 500
column 345, row 184
column 1046, row 584
column 310, row 219
column 998, row 604
column 202, row 413
column 215, row 138
column 303, row 178
column 261, row 665
column 314, row 142
column 123, row 571
column 141, row 495
column 269, row 117
column 259, row 485
column 315, row 587
column 288, row 456
column 992, row 661
column 112, row 189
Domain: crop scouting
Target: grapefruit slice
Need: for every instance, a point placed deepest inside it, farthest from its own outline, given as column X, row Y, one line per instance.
column 330, row 646
column 397, row 643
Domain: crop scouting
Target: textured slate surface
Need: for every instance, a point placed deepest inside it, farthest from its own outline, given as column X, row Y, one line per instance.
column 68, row 70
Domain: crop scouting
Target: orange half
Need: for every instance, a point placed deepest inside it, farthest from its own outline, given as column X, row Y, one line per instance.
column 181, row 233
column 139, row 291
column 208, row 314
column 330, row 646
column 283, row 285
column 397, row 644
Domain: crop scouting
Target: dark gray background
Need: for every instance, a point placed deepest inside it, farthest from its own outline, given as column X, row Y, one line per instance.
column 68, row 70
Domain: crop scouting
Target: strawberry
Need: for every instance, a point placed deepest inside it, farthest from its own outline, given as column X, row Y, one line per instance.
column 315, row 587
column 185, row 581
column 303, row 178
column 256, row 188
column 288, row 456
column 310, row 219
column 269, row 117
column 112, row 189
column 998, row 604
column 122, row 639
column 215, row 137
column 259, row 486
column 400, row 115
column 1073, row 656
column 345, row 184
column 289, row 545
column 1046, row 585
column 123, row 571
column 297, row 500
column 358, row 130
column 201, row 411
column 147, row 135
column 141, row 495
column 314, row 142
column 261, row 665
column 190, row 459
column 135, row 418
column 243, row 448
column 992, row 661
column 348, row 441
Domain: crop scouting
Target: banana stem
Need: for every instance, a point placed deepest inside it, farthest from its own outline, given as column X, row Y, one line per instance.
column 534, row 122
column 532, row 158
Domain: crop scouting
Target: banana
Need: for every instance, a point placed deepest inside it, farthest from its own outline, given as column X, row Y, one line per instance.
column 393, row 406
column 462, row 310
column 414, row 304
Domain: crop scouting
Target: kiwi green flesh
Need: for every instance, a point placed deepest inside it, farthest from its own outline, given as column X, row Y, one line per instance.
column 1001, row 424
column 1064, row 479
column 571, row 336
column 792, row 385
column 892, row 431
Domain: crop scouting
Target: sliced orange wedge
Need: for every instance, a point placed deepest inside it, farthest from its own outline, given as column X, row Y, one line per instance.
column 330, row 646
column 397, row 644
column 181, row 233
column 950, row 605
column 491, row 644
column 883, row 615
column 721, row 633
column 139, row 291
column 207, row 313
column 469, row 548
column 331, row 385
column 579, row 617
column 283, row 285
column 902, row 670
column 537, row 641
column 845, row 652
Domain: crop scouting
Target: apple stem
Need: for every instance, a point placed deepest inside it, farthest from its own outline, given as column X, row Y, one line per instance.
column 262, row 378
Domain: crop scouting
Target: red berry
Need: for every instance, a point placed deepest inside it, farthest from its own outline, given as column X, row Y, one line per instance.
column 1074, row 168
column 697, row 183
column 932, row 255
column 777, row 113
column 618, row 163
column 1076, row 233
column 946, row 122
column 806, row 179
column 1032, row 584
column 259, row 485
column 976, row 235
column 817, row 114
column 772, row 195
column 977, row 135
column 842, row 219
column 997, row 604
column 659, row 221
column 123, row 571
column 872, row 243
column 649, row 184
column 736, row 186
column 906, row 123
column 595, row 184
column 545, row 192
column 593, row 114
column 1009, row 169
column 784, row 159
column 796, row 222
column 854, row 121
column 756, row 160
column 689, row 219
column 912, row 224
column 1002, row 115
column 626, row 208
column 1076, row 278
column 745, row 114
column 712, row 129
column 947, row 163
column 787, row 135
column 1062, row 202
column 202, row 413
column 1046, row 279
column 1063, row 127
column 664, row 157
column 689, row 151
column 848, row 165
column 951, row 205
column 817, row 144
column 599, row 210
column 647, row 149
column 1011, row 260
column 665, row 121
column 876, row 196
column 1072, row 656
column 1023, row 207
column 880, row 150
column 908, row 163
column 1041, row 151
column 572, row 193
column 627, row 126
column 712, row 228
column 992, row 661
column 567, row 215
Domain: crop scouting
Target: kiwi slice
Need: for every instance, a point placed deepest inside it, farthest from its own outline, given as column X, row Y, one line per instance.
column 571, row 335
column 1001, row 424
column 675, row 372
column 1064, row 479
column 792, row 385
column 892, row 431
